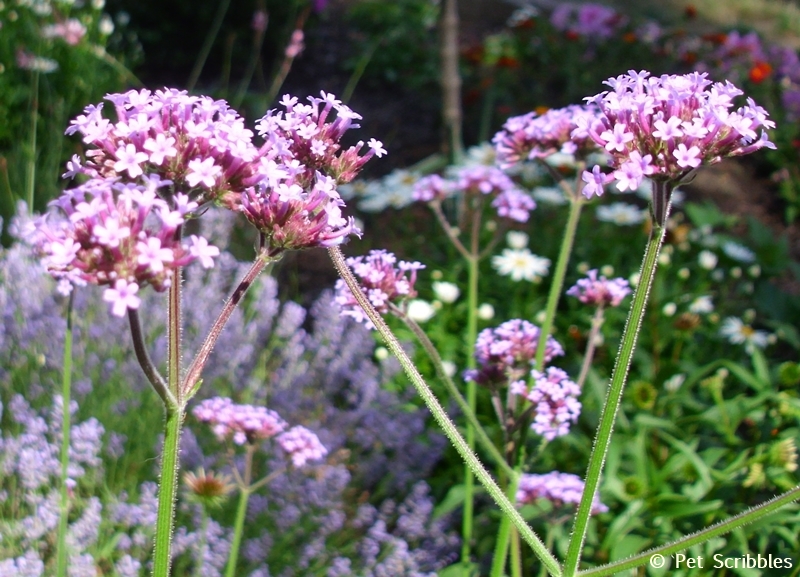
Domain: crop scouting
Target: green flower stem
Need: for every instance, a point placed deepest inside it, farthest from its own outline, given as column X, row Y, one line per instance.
column 504, row 534
column 441, row 417
column 30, row 167
column 66, row 423
column 149, row 368
column 702, row 536
column 516, row 554
column 597, row 324
column 167, row 490
column 241, row 510
column 613, row 399
column 575, row 206
column 208, row 43
column 482, row 437
column 472, row 395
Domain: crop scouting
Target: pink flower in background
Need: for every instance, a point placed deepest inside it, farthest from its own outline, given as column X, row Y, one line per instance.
column 555, row 399
column 239, row 423
column 384, row 281
column 301, row 445
column 559, row 488
column 600, row 291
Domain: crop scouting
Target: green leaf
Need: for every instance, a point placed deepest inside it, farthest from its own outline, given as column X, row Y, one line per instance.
column 707, row 214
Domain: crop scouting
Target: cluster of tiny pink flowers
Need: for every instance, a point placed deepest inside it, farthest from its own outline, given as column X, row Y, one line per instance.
column 384, row 280
column 587, row 20
column 665, row 127
column 537, row 136
column 293, row 218
column 600, row 291
column 301, row 445
column 509, row 200
column 118, row 235
column 70, row 30
column 558, row 488
column 199, row 144
column 296, row 205
column 305, row 140
column 555, row 398
column 506, row 352
column 240, row 423
column 430, row 188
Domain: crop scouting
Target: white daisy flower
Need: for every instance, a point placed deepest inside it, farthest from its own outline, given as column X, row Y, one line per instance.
column 702, row 305
column 420, row 311
column 738, row 252
column 621, row 213
column 707, row 259
column 739, row 333
column 516, row 239
column 521, row 264
column 446, row 292
column 549, row 195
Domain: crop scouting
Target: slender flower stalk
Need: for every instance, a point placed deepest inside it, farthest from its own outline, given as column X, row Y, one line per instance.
column 557, row 284
column 442, row 418
column 504, row 533
column 613, row 398
column 591, row 345
column 436, row 359
column 241, row 511
column 167, row 491
column 66, row 424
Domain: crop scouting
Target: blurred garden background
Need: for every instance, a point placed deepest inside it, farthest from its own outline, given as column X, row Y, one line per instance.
column 710, row 419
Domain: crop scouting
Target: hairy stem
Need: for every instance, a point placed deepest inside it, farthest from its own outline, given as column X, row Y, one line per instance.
column 66, row 423
column 241, row 511
column 167, row 491
column 576, row 204
column 149, row 368
column 613, row 398
column 441, row 417
column 433, row 354
column 591, row 345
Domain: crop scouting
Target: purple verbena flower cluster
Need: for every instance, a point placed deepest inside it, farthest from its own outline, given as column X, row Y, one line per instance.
column 537, row 136
column 555, row 398
column 478, row 180
column 558, row 488
column 665, row 127
column 297, row 205
column 384, row 279
column 600, row 291
column 240, row 423
column 587, row 20
column 198, row 144
column 301, row 445
column 505, row 353
column 118, row 235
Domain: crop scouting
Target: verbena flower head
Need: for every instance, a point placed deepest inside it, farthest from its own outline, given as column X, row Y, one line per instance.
column 301, row 445
column 600, row 291
column 586, row 20
column 665, row 127
column 505, row 353
column 559, row 488
column 509, row 200
column 240, row 423
column 555, row 398
column 307, row 139
column 384, row 281
column 198, row 144
column 117, row 235
column 297, row 204
column 431, row 187
column 538, row 136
